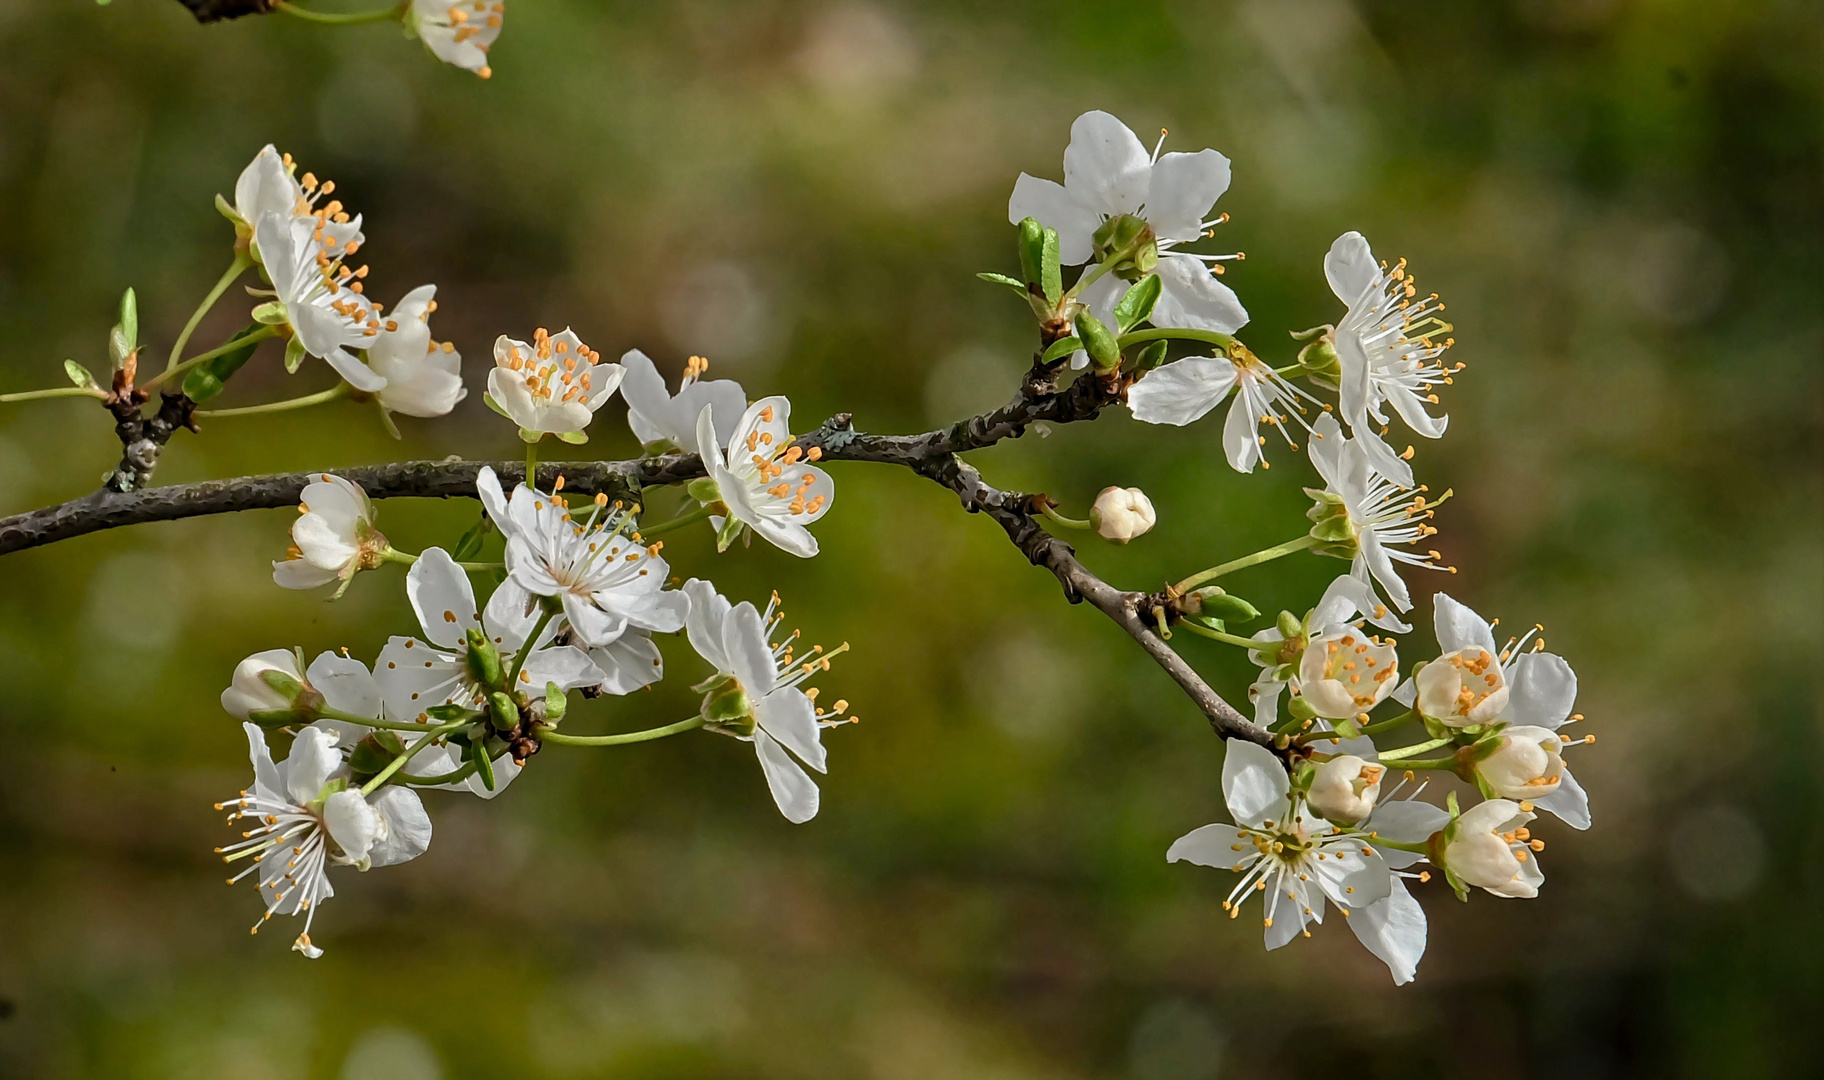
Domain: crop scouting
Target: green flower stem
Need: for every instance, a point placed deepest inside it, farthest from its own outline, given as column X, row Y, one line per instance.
column 1406, row 717
column 1427, row 763
column 1167, row 333
column 531, row 646
column 410, row 752
column 646, row 532
column 1419, row 847
column 1056, row 518
column 406, row 558
column 1265, row 555
column 532, row 465
column 463, row 773
column 546, row 735
column 341, row 19
column 1218, row 635
column 305, row 402
column 53, row 392
column 242, row 261
column 367, row 721
column 261, row 334
column 1416, row 748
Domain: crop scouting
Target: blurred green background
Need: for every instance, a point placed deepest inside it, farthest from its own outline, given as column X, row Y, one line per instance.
column 1622, row 203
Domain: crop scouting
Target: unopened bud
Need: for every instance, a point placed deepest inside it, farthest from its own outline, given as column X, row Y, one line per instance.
column 1098, row 342
column 502, row 713
column 1120, row 514
column 1032, row 250
column 1344, row 788
column 556, row 703
column 1213, row 602
column 375, row 752
column 483, row 659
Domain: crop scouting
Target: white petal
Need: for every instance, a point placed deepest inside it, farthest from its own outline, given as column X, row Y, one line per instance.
column 1542, row 688
column 1393, row 930
column 1350, row 267
column 307, row 768
column 709, row 610
column 352, row 823
column 628, row 663
column 1382, row 457
column 788, row 716
column 1458, row 627
column 1211, row 845
column 442, row 597
column 1105, row 167
column 566, row 665
column 345, row 684
column 793, row 789
column 1570, row 802
column 1254, row 783
column 1054, row 208
column 299, row 574
column 1181, row 392
column 408, row 828
column 412, row 677
column 1192, row 298
column 744, row 642
column 1183, row 189
column 1241, row 434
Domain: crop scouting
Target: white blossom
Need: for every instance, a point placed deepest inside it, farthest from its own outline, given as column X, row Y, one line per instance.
column 423, row 377
column 767, row 483
column 1296, row 862
column 1385, row 349
column 628, row 663
column 1346, row 603
column 269, row 681
column 304, row 818
column 1531, row 688
column 762, row 680
column 1121, row 514
column 323, row 305
column 1490, row 848
column 552, row 386
column 458, row 32
column 660, row 418
column 606, row 582
column 1185, row 390
column 333, row 538
column 267, row 185
column 1344, row 788
column 1108, row 173
column 1381, row 515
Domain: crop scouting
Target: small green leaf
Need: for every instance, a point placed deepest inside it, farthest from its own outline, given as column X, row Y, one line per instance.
column 1003, row 279
column 79, row 375
column 1032, row 249
column 1150, row 357
column 574, row 438
column 1138, row 303
column 294, row 355
column 129, row 318
column 1051, row 274
column 470, row 545
column 271, row 313
column 483, row 766
column 1060, row 349
column 208, row 379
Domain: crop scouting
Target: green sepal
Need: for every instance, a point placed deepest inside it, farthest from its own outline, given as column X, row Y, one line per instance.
column 484, row 765
column 375, row 752
column 1051, row 271
column 1032, row 251
column 483, row 660
column 1137, row 304
column 1103, row 351
column 557, row 703
column 1060, row 349
column 208, row 378
column 488, row 400
column 274, row 719
column 444, row 714
column 294, row 355
column 1212, row 602
column 502, row 713
column 574, row 438
column 79, row 375
column 271, row 313
column 226, row 209
column 704, row 490
column 1003, row 279
column 470, row 545
column 386, row 420
column 731, row 528
column 1152, row 356
column 1300, row 709
column 527, row 435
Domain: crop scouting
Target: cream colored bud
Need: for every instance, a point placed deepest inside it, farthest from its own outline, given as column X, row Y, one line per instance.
column 1120, row 514
column 1527, row 765
column 1462, row 688
column 1345, row 788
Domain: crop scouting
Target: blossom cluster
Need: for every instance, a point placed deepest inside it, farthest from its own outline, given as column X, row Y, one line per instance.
column 1317, row 817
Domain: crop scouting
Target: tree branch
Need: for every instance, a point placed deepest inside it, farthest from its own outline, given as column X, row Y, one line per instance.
column 208, row 11
column 933, row 454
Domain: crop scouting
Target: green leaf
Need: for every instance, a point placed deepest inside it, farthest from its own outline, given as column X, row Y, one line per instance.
column 210, row 377
column 470, row 545
column 294, row 355
column 574, row 438
column 1051, row 274
column 129, row 318
column 1138, row 303
column 1032, row 249
column 484, row 767
column 1003, row 279
column 79, row 375
column 1061, row 348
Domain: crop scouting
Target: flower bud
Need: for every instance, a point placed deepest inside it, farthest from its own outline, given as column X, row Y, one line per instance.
column 1331, row 525
column 1213, row 602
column 503, row 714
column 1344, row 788
column 1032, row 250
column 1128, row 239
column 1525, row 763
column 1488, row 848
column 557, row 703
column 1120, row 514
column 1462, row 688
column 375, row 752
column 269, row 688
column 1098, row 342
column 483, row 658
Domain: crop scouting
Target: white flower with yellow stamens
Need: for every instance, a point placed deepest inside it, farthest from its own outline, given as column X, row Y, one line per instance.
column 1519, row 684
column 1185, row 390
column 1344, row 788
column 267, row 185
column 755, row 694
column 318, row 299
column 552, row 386
column 1385, row 349
column 1364, row 516
column 1339, row 613
column 423, row 377
column 768, row 484
column 1490, row 848
column 458, row 32
column 606, row 582
column 1297, row 861
column 333, row 538
column 306, row 818
column 660, row 419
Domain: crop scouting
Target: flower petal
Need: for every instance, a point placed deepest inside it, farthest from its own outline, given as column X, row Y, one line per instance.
column 1181, row 392
column 1350, row 267
column 1106, row 169
column 408, row 828
column 1192, row 298
column 1183, row 189
column 1254, row 784
column 1394, row 931
column 1056, row 209
column 441, row 595
column 1211, row 845
column 793, row 790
